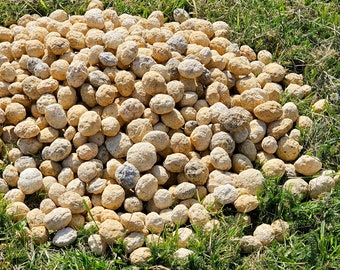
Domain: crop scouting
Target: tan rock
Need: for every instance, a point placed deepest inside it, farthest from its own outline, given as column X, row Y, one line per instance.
column 320, row 185
column 250, row 179
column 57, row 219
column 40, row 234
column 132, row 222
column 297, row 187
column 111, row 231
column 288, row 149
column 142, row 155
column 246, row 203
column 281, row 229
column 154, row 222
column 274, row 168
column 250, row 244
column 140, row 255
column 72, row 201
column 113, row 196
column 307, row 165
column 198, row 215
column 146, row 187
column 17, row 210
column 265, row 234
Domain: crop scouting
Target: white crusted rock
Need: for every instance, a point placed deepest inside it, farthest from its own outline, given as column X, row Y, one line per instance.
column 30, row 180
column 225, row 194
column 64, row 237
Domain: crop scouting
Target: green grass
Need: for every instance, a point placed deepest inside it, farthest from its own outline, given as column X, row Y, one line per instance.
column 304, row 36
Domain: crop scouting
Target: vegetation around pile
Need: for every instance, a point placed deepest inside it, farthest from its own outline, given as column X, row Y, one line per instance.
column 303, row 36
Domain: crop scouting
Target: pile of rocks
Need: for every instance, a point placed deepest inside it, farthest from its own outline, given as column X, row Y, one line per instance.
column 138, row 121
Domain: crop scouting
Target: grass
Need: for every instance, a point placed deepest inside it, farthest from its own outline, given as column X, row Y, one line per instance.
column 304, row 36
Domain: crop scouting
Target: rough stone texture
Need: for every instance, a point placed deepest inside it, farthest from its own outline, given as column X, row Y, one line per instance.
column 97, row 244
column 72, row 201
column 55, row 116
column 118, row 145
column 175, row 162
column 288, row 149
column 274, row 168
column 190, row 68
column 58, row 150
column 235, row 118
column 133, row 204
column 142, row 155
column 183, row 253
column 132, row 222
column 265, row 234
column 250, row 244
column 257, row 131
column 30, row 180
column 64, row 237
column 217, row 178
column 246, row 203
column 269, row 145
column 268, row 111
column 320, row 185
column 138, row 128
column 14, row 195
column 111, row 230
column 35, row 217
column 154, row 222
column 276, row 71
column 256, row 98
column 47, row 205
column 140, row 255
column 184, row 236
column 240, row 163
column 113, row 196
column 58, row 219
column 146, row 187
column 89, row 123
column 179, row 214
column 162, row 104
column 251, row 180
column 133, row 241
column 159, row 139
column 27, row 129
column 297, row 187
column 279, row 128
column 184, row 191
column 248, row 148
column 17, row 210
column 290, row 110
column 87, row 171
column 3, row 186
column 281, row 229
column 196, row 172
column 163, row 198
column 239, row 66
column 200, row 137
column 39, row 234
column 225, row 194
column 220, row 159
column 198, row 215
column 307, row 165
column 127, row 175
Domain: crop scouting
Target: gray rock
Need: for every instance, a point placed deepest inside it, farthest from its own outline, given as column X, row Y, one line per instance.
column 64, row 237
column 127, row 175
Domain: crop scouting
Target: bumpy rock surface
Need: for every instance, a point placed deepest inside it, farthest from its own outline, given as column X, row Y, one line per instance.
column 64, row 237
